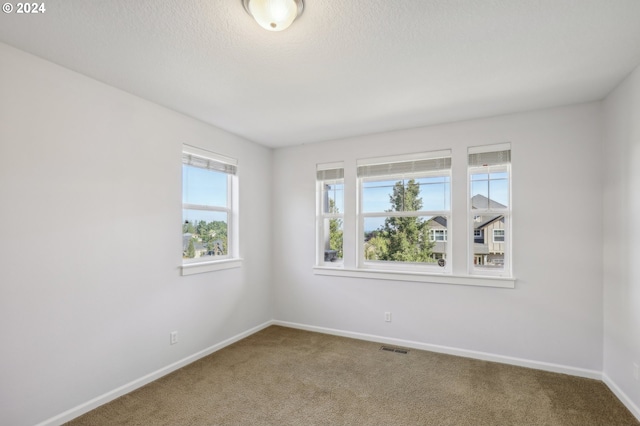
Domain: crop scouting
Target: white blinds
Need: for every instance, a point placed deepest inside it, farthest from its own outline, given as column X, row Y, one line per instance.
column 330, row 171
column 404, row 167
column 209, row 164
column 490, row 158
column 490, row 155
column 330, row 174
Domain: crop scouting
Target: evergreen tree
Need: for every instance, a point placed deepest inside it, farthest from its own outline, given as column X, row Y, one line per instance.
column 404, row 239
column 191, row 250
column 376, row 247
column 188, row 228
column 335, row 231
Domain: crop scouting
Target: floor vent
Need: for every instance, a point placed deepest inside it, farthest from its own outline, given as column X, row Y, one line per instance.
column 392, row 349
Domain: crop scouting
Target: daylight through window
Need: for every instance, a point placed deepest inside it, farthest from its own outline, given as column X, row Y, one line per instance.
column 404, row 211
column 207, row 212
column 330, row 190
column 490, row 209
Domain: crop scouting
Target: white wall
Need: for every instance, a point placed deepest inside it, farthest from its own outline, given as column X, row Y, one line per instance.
column 554, row 315
column 90, row 240
column 621, row 150
column 90, row 246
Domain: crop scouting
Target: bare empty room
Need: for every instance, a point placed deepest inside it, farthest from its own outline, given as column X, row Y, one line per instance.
column 320, row 212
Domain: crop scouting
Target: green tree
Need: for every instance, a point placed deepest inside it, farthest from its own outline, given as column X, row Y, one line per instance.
column 335, row 231
column 191, row 249
column 403, row 239
column 202, row 229
column 376, row 247
column 188, row 228
column 217, row 232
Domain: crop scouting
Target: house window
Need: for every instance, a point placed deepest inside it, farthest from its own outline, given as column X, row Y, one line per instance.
column 330, row 216
column 438, row 234
column 401, row 200
column 208, row 212
column 489, row 170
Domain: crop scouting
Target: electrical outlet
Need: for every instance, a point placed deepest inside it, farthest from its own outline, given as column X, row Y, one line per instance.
column 635, row 371
column 173, row 337
column 387, row 316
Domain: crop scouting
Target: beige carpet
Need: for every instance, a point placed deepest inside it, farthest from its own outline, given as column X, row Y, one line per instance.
column 282, row 376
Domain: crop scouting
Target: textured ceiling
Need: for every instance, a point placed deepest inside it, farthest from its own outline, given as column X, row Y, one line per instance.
column 343, row 68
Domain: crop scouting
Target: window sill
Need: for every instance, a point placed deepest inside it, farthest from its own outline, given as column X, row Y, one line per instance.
column 216, row 265
column 472, row 280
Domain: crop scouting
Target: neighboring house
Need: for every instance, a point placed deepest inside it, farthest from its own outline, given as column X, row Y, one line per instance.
column 200, row 247
column 438, row 233
column 488, row 234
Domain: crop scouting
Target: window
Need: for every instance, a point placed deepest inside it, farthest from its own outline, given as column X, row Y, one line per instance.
column 438, row 234
column 392, row 218
column 330, row 217
column 208, row 207
column 404, row 211
column 490, row 209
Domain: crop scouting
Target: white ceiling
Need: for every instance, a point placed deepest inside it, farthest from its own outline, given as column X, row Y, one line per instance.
column 345, row 67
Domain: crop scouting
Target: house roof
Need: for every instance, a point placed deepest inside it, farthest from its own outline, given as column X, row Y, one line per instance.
column 481, row 202
column 196, row 244
column 439, row 220
column 480, row 248
column 477, row 201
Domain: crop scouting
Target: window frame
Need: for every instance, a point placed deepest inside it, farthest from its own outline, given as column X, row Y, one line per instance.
column 503, row 213
column 354, row 265
column 411, row 267
column 232, row 258
column 327, row 173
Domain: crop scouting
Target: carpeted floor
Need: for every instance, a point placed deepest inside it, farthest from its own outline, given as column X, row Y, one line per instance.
column 283, row 376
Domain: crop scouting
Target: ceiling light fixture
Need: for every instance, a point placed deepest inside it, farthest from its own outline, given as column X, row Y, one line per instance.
column 274, row 15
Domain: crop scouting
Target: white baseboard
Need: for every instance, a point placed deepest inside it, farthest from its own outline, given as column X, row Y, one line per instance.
column 538, row 365
column 623, row 397
column 131, row 386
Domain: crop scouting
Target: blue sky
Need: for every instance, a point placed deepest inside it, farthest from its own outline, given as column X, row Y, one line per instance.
column 203, row 187
column 434, row 191
column 207, row 187
column 494, row 186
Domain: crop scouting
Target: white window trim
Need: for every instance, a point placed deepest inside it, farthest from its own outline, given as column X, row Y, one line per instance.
column 232, row 258
column 411, row 268
column 212, row 265
column 404, row 157
column 321, row 215
column 507, row 271
column 415, row 276
column 354, row 265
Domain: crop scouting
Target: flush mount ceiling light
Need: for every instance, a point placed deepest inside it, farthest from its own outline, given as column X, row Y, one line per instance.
column 274, row 15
